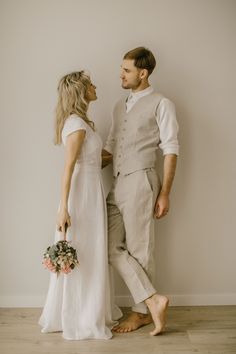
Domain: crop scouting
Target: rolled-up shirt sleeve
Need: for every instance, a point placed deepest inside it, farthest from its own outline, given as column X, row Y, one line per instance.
column 168, row 127
column 109, row 145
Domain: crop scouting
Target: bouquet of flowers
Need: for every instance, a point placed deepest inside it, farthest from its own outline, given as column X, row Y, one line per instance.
column 60, row 257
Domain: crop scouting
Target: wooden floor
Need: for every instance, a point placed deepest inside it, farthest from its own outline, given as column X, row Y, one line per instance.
column 210, row 329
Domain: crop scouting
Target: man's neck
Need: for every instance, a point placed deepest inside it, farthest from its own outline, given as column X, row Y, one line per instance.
column 141, row 87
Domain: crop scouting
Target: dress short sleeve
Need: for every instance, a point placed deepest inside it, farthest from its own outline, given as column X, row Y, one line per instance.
column 72, row 124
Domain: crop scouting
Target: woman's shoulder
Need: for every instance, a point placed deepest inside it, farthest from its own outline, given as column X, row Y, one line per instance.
column 74, row 121
column 74, row 118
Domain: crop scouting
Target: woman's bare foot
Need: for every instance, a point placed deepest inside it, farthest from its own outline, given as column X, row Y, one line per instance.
column 157, row 305
column 133, row 322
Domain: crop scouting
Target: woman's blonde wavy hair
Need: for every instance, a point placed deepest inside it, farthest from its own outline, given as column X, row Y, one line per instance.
column 71, row 100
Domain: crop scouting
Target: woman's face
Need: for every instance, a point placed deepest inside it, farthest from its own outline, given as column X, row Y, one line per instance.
column 91, row 92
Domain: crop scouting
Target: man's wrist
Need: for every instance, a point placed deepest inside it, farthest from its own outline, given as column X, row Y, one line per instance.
column 164, row 193
column 63, row 208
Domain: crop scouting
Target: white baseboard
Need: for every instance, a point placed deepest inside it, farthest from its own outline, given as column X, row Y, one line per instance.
column 126, row 301
column 188, row 300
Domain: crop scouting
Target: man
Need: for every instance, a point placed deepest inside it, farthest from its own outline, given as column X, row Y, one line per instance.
column 143, row 122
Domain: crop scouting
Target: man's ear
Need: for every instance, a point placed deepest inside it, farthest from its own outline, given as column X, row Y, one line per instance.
column 144, row 74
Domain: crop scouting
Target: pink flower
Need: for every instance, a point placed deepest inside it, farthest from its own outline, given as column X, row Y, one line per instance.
column 56, row 259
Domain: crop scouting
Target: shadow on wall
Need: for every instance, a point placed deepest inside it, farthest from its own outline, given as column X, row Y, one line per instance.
column 167, row 229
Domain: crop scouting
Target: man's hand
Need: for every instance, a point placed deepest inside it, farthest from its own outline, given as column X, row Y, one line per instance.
column 163, row 202
column 162, row 206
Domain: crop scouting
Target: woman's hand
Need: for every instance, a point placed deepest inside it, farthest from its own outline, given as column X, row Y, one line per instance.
column 63, row 221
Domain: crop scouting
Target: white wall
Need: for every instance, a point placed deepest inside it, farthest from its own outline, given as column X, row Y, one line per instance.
column 194, row 42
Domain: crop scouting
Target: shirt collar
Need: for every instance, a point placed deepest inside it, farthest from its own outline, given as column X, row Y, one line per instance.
column 139, row 94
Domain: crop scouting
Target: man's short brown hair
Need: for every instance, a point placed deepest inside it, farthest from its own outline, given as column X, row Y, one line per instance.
column 143, row 58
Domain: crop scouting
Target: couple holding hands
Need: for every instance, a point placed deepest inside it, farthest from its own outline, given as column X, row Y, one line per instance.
column 117, row 231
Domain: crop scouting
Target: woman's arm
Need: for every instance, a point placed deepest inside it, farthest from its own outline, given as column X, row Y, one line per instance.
column 73, row 147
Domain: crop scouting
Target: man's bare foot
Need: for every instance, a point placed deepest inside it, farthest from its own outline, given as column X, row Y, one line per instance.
column 157, row 305
column 133, row 322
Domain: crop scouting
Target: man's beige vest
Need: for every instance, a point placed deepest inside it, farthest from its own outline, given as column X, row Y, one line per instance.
column 136, row 135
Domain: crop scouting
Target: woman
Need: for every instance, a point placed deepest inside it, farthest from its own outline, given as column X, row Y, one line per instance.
column 79, row 303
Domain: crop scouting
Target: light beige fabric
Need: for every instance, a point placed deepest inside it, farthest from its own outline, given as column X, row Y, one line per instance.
column 131, row 231
column 136, row 135
column 135, row 96
column 133, row 140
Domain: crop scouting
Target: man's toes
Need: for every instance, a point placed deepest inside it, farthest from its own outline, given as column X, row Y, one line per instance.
column 125, row 329
column 115, row 327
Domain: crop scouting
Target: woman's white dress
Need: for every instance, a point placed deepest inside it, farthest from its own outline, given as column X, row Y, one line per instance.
column 80, row 304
